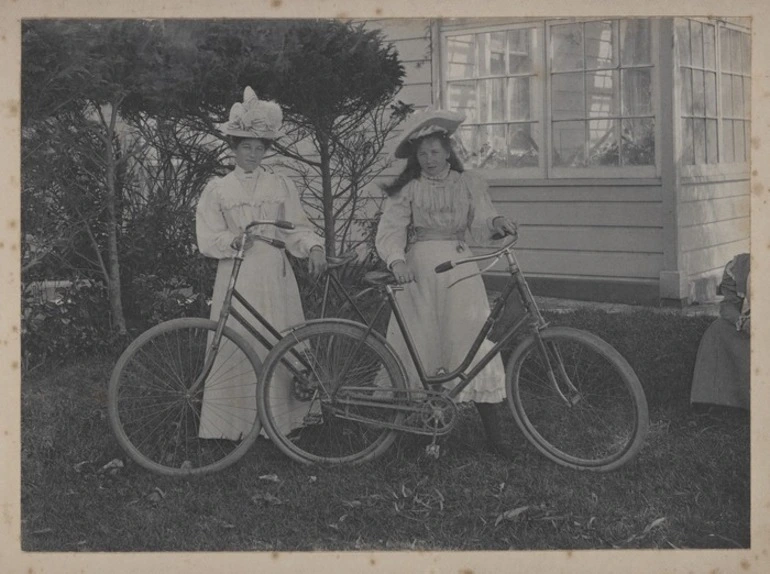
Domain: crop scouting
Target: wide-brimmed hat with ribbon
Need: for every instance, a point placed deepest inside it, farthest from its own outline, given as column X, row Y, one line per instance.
column 254, row 118
column 424, row 124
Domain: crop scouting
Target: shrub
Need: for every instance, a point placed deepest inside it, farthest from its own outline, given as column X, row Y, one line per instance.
column 74, row 322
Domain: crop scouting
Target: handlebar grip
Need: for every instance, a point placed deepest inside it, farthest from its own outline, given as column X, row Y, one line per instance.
column 284, row 224
column 496, row 236
column 277, row 243
column 445, row 266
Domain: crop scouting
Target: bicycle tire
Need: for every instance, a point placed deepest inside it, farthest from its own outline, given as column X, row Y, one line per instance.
column 157, row 421
column 578, row 435
column 307, row 429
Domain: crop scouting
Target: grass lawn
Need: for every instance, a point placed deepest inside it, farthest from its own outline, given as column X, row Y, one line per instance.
column 689, row 488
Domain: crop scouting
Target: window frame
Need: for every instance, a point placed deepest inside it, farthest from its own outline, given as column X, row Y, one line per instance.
column 532, row 172
column 720, row 167
column 546, row 170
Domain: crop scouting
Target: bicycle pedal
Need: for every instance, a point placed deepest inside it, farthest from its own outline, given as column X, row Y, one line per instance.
column 302, row 391
column 312, row 419
column 433, row 450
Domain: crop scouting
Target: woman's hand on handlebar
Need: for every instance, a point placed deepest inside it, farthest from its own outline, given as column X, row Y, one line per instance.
column 317, row 263
column 502, row 226
column 402, row 272
column 236, row 244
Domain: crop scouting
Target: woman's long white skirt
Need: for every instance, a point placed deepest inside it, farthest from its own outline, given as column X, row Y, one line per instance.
column 443, row 321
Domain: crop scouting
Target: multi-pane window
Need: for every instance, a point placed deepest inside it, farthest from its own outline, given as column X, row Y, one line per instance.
column 601, row 94
column 494, row 78
column 714, row 92
column 735, row 75
column 547, row 98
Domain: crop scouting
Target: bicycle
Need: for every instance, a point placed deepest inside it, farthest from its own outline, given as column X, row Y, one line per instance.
column 574, row 397
column 155, row 394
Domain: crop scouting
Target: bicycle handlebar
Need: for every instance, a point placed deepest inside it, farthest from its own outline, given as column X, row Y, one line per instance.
column 447, row 265
column 274, row 242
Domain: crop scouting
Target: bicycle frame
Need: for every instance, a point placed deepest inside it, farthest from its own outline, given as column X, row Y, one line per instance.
column 232, row 293
column 518, row 283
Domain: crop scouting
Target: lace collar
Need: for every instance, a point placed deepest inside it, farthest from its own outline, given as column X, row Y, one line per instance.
column 437, row 178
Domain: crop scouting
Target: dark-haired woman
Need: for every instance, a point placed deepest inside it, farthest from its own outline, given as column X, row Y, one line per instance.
column 440, row 202
column 227, row 205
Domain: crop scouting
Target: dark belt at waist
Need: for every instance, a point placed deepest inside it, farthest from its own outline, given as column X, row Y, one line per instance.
column 427, row 234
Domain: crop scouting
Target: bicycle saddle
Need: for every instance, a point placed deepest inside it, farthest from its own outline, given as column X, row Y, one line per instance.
column 380, row 278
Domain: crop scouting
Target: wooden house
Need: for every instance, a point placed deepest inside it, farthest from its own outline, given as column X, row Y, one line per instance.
column 620, row 146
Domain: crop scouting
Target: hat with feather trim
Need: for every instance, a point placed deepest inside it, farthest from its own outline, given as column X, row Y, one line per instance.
column 424, row 124
column 254, row 118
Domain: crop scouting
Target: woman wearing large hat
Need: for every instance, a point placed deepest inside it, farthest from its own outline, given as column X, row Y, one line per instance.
column 227, row 205
column 439, row 203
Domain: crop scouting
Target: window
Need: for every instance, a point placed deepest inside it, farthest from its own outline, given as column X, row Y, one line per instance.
column 735, row 76
column 714, row 92
column 601, row 94
column 559, row 98
column 493, row 78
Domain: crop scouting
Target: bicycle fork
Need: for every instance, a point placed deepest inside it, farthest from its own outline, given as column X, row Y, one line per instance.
column 551, row 354
column 549, row 351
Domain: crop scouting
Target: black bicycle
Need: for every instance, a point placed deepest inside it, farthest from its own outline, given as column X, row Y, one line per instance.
column 155, row 395
column 571, row 393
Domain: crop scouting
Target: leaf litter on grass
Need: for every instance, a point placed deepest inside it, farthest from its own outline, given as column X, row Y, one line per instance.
column 262, row 498
column 699, row 477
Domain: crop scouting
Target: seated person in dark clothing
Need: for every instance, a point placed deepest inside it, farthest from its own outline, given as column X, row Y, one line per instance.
column 722, row 371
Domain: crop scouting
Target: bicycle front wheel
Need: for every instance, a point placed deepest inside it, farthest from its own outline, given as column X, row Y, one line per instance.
column 324, row 391
column 577, row 399
column 176, row 413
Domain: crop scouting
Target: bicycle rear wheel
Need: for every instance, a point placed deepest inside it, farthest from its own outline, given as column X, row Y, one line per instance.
column 163, row 424
column 592, row 415
column 324, row 409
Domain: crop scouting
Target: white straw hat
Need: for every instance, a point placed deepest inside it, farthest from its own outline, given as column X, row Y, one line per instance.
column 254, row 118
column 426, row 123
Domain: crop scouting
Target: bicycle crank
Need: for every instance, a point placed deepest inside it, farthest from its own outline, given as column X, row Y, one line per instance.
column 422, row 411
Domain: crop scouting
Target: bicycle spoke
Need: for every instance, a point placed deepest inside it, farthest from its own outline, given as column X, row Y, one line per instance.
column 309, row 429
column 156, row 417
column 599, row 429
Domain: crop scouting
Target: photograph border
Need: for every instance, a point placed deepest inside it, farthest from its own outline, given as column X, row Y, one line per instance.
column 13, row 560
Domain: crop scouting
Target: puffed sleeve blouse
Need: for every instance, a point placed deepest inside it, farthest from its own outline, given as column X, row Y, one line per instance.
column 457, row 204
column 228, row 204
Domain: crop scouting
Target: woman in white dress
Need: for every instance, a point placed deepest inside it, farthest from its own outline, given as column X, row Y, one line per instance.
column 434, row 202
column 227, row 205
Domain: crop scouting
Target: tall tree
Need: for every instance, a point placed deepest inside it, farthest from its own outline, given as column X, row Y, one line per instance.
column 336, row 82
column 109, row 99
column 89, row 73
